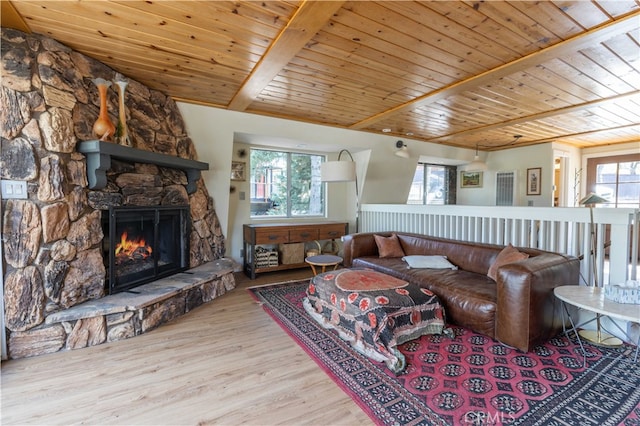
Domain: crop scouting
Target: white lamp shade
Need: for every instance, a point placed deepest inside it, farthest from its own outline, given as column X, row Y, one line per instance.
column 476, row 165
column 338, row 171
column 593, row 198
column 403, row 152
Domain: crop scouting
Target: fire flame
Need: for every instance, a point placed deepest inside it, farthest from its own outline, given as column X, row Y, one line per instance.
column 132, row 248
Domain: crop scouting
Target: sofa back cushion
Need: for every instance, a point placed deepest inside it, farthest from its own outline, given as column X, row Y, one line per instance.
column 471, row 257
column 388, row 246
column 508, row 255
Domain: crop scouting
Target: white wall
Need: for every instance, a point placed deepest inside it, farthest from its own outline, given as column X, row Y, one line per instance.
column 518, row 160
column 383, row 177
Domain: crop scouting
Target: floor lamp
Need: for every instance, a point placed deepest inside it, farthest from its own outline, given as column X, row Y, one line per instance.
column 342, row 171
column 596, row 336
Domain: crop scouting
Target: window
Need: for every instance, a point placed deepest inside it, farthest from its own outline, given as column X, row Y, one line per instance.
column 286, row 184
column 431, row 185
column 616, row 179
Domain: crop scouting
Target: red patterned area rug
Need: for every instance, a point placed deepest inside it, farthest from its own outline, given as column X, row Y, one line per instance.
column 470, row 379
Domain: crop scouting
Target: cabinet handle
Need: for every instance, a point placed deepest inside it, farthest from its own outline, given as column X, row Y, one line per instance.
column 333, row 233
column 273, row 237
column 305, row 234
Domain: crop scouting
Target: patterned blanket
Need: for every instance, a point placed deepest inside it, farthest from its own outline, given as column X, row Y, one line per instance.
column 374, row 311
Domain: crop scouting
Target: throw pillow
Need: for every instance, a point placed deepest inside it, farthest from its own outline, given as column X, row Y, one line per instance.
column 509, row 254
column 430, row 262
column 389, row 246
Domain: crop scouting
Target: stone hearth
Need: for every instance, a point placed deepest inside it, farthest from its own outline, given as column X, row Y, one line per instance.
column 128, row 314
column 54, row 272
column 190, row 288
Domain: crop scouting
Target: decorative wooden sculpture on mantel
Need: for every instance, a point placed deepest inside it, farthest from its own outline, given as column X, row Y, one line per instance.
column 103, row 128
column 122, row 133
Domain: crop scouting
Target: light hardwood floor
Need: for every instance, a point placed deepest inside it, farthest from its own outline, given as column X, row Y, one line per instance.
column 226, row 362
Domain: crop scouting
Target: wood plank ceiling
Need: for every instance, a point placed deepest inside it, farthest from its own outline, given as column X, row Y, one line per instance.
column 462, row 73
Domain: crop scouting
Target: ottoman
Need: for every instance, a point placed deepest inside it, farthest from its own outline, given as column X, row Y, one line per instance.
column 374, row 312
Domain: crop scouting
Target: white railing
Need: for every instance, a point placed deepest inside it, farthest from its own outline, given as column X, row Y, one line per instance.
column 558, row 229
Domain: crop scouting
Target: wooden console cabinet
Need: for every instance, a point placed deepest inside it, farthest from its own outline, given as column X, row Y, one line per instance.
column 271, row 235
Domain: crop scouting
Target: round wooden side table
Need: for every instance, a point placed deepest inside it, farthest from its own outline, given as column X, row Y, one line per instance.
column 323, row 260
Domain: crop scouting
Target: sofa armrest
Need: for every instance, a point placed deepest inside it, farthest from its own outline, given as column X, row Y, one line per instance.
column 359, row 245
column 528, row 311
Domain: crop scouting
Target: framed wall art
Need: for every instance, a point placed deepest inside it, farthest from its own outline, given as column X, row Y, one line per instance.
column 238, row 170
column 533, row 181
column 470, row 179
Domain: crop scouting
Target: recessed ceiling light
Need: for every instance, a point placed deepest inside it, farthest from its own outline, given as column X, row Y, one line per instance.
column 386, row 130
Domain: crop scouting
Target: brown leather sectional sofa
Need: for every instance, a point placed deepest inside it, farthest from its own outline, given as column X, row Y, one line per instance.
column 518, row 309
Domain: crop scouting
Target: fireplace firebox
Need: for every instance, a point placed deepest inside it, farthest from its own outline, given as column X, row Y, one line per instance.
column 143, row 244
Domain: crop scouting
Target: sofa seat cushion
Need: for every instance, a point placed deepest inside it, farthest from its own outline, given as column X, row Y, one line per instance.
column 469, row 298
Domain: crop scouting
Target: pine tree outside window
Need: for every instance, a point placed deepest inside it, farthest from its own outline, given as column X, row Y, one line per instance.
column 286, row 184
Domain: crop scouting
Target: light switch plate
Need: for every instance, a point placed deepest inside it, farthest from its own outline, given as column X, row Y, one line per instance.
column 14, row 189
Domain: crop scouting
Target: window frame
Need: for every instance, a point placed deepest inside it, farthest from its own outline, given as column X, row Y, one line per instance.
column 289, row 181
column 592, row 168
column 448, row 193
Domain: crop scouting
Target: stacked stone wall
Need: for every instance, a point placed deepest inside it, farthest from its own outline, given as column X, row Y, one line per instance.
column 52, row 239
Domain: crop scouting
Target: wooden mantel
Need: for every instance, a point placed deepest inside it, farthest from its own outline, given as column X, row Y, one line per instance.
column 99, row 156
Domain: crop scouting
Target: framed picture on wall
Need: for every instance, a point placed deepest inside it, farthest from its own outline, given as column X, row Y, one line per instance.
column 238, row 170
column 470, row 179
column 533, row 181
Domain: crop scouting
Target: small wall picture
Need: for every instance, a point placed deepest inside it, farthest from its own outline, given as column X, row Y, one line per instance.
column 533, row 181
column 238, row 170
column 470, row 179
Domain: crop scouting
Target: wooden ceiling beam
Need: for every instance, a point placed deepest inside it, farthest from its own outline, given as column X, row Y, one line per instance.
column 12, row 19
column 632, row 127
column 571, row 45
column 535, row 117
column 310, row 17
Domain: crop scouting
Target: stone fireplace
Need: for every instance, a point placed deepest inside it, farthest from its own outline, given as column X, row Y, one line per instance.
column 57, row 272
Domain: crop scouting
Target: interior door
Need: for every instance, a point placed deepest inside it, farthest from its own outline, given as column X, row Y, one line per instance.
column 560, row 180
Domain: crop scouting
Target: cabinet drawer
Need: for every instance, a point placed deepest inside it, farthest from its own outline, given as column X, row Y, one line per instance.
column 272, row 236
column 329, row 232
column 305, row 234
